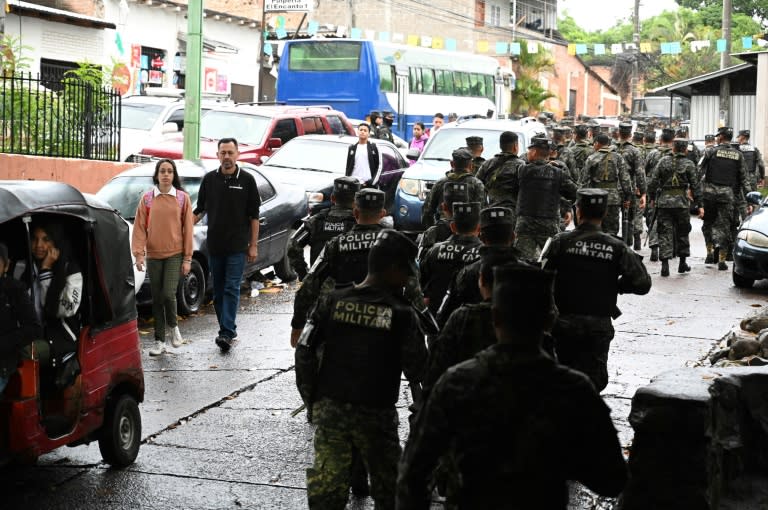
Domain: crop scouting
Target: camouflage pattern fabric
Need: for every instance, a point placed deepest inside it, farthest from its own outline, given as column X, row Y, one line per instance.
column 475, row 193
column 578, row 154
column 674, row 226
column 582, row 343
column 340, row 429
column 498, row 181
column 531, row 235
column 507, row 418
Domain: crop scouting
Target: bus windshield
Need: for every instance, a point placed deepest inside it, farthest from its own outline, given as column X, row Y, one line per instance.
column 325, row 56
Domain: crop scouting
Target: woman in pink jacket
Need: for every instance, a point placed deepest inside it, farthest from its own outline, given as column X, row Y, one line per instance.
column 420, row 138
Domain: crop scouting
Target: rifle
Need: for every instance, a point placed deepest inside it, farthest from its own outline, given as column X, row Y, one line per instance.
column 625, row 222
column 655, row 214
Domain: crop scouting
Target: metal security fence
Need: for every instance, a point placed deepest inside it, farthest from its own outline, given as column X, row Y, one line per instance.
column 69, row 118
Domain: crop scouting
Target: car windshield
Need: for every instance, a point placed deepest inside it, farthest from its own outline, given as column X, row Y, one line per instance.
column 445, row 141
column 139, row 115
column 123, row 193
column 310, row 154
column 243, row 127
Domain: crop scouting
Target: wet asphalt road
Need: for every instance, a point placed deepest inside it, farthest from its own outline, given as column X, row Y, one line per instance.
column 217, row 428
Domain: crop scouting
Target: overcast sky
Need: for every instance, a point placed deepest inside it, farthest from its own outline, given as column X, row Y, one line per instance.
column 598, row 15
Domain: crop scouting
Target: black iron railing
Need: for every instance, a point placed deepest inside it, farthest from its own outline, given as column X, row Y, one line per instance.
column 72, row 119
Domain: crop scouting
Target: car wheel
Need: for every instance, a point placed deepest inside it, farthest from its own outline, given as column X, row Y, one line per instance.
column 741, row 282
column 120, row 434
column 283, row 269
column 191, row 291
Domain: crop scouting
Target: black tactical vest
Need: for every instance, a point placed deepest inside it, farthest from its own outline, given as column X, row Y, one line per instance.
column 748, row 151
column 723, row 168
column 333, row 223
column 361, row 357
column 588, row 259
column 539, row 194
column 349, row 261
column 445, row 260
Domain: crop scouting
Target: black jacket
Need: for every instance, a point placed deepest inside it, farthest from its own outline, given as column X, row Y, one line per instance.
column 373, row 161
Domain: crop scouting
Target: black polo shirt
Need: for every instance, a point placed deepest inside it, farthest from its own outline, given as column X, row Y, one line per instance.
column 231, row 202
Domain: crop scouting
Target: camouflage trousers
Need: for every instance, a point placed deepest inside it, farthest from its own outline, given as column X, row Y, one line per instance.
column 611, row 220
column 582, row 343
column 674, row 226
column 342, row 428
column 296, row 258
column 638, row 220
column 718, row 223
column 531, row 235
column 653, row 232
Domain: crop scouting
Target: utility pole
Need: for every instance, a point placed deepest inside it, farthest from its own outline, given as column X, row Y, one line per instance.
column 193, row 80
column 725, row 61
column 636, row 55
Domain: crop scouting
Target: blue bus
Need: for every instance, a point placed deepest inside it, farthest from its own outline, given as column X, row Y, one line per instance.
column 357, row 77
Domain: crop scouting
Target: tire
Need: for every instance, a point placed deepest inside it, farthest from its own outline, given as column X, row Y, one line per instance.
column 283, row 269
column 191, row 292
column 741, row 282
column 120, row 434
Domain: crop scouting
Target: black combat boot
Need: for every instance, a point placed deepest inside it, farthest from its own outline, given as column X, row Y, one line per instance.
column 682, row 267
column 664, row 267
column 729, row 254
column 654, row 253
column 721, row 256
column 638, row 244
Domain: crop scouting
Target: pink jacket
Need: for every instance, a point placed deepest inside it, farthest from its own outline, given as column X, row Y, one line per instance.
column 418, row 143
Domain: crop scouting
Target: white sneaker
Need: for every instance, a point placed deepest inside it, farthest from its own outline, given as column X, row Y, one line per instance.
column 158, row 349
column 176, row 339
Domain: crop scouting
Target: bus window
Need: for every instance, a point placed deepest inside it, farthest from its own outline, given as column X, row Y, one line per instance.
column 427, row 81
column 285, row 129
column 325, row 56
column 476, row 85
column 490, row 87
column 457, row 87
column 415, row 79
column 463, row 83
column 386, row 79
column 444, row 83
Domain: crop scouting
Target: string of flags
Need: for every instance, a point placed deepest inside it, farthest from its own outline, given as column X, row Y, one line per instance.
column 515, row 47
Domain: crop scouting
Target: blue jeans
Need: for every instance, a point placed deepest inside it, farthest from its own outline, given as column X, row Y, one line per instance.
column 227, row 273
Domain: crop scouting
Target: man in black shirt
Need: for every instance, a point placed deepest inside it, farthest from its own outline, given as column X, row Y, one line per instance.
column 231, row 199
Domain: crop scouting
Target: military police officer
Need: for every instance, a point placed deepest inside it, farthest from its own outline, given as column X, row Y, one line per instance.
column 579, row 151
column 344, row 259
column 753, row 159
column 444, row 259
column 724, row 186
column 673, row 184
column 588, row 260
column 441, row 231
column 368, row 335
column 461, row 171
column 635, row 165
column 497, row 172
column 605, row 169
column 663, row 149
column 475, row 146
column 320, row 228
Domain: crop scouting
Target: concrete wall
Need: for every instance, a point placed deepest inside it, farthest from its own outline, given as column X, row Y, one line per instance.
column 86, row 175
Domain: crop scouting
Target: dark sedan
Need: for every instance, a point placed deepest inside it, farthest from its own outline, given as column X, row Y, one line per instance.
column 750, row 255
column 282, row 208
column 314, row 161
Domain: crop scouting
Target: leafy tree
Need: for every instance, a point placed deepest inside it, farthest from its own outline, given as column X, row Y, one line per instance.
column 750, row 8
column 529, row 94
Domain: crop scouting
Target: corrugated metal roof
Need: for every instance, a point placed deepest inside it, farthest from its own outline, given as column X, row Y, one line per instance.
column 684, row 87
column 20, row 7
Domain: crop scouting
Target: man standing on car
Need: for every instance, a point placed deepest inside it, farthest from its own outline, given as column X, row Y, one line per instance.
column 231, row 199
column 363, row 164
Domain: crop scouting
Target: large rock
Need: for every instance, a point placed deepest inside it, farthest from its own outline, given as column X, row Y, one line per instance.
column 699, row 433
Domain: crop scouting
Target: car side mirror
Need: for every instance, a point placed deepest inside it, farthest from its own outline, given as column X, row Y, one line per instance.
column 754, row 198
column 274, row 143
column 412, row 154
column 170, row 127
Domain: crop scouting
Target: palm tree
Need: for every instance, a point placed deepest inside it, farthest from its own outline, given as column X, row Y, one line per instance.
column 529, row 94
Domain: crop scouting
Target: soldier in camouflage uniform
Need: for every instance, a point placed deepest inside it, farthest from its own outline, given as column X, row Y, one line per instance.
column 441, row 231
column 320, row 228
column 539, row 186
column 444, row 259
column 344, row 260
column 753, row 159
column 724, row 187
column 579, row 151
column 461, row 171
column 636, row 166
column 673, row 183
column 497, row 232
column 605, row 169
column 352, row 387
column 497, row 172
column 475, row 146
column 560, row 150
column 663, row 149
column 587, row 258
column 517, row 424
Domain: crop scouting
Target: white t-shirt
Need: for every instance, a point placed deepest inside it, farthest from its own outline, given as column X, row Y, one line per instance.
column 362, row 168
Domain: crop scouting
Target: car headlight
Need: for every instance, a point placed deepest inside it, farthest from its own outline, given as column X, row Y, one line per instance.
column 754, row 238
column 410, row 186
column 315, row 197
